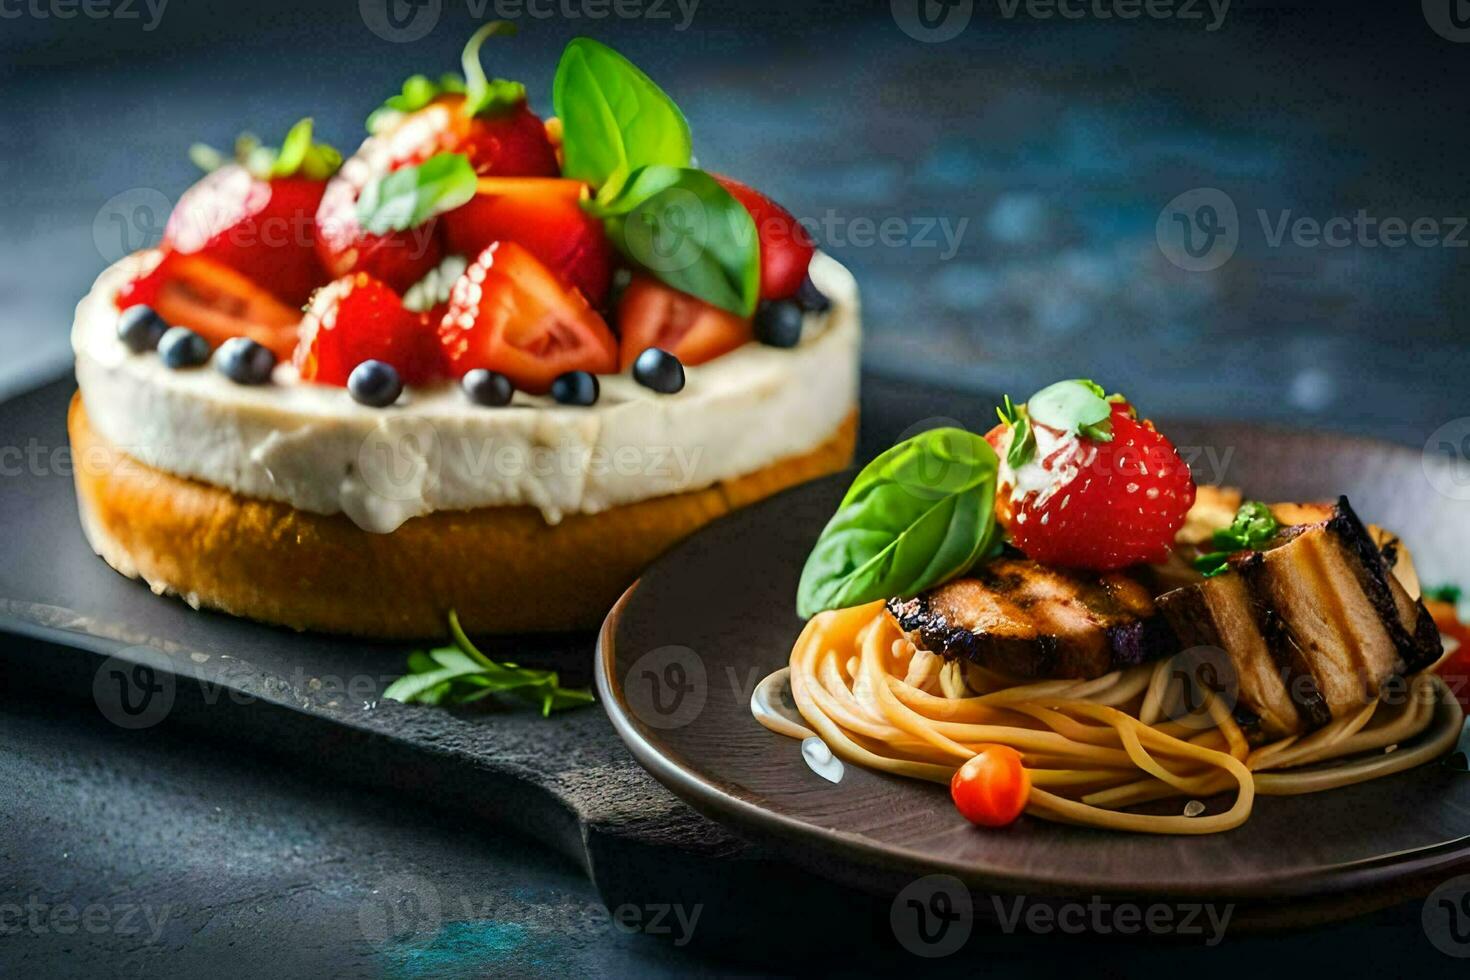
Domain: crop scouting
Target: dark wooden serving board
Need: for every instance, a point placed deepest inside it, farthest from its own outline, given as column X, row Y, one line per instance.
column 313, row 701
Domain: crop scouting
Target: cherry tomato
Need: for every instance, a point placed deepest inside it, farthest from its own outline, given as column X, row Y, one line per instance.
column 992, row 788
column 509, row 313
column 651, row 314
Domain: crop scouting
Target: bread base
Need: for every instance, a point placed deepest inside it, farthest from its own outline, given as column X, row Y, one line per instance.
column 502, row 569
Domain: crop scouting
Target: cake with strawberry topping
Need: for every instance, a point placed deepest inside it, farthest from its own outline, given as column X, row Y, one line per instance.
column 489, row 363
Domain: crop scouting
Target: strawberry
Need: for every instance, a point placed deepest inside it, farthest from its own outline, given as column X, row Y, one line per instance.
column 546, row 216
column 356, row 319
column 214, row 301
column 509, row 313
column 397, row 258
column 786, row 248
column 1085, row 483
column 257, row 216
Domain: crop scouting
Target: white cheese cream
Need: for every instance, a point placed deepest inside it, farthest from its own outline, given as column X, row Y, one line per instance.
column 313, row 447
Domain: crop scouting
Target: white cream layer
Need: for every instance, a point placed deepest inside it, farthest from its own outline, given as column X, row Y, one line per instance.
column 313, row 447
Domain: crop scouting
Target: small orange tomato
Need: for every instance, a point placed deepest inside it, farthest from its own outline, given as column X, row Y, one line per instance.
column 992, row 788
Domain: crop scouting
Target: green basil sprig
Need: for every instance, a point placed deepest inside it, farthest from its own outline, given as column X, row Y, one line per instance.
column 920, row 514
column 681, row 226
column 1254, row 525
column 410, row 196
column 298, row 156
column 461, row 674
column 614, row 119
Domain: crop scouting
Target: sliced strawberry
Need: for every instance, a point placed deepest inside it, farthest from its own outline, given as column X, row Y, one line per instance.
column 215, row 301
column 264, row 229
column 651, row 314
column 509, row 313
column 398, row 258
column 356, row 319
column 546, row 216
column 786, row 248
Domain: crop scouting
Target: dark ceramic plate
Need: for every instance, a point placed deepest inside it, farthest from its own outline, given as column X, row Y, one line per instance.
column 680, row 653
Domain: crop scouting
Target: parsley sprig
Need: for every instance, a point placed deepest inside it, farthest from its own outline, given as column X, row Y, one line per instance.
column 461, row 674
column 1253, row 527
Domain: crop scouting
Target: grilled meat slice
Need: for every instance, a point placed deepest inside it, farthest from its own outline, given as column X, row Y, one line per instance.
column 1316, row 620
column 1032, row 621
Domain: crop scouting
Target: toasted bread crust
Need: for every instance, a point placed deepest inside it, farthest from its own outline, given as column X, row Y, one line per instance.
column 502, row 569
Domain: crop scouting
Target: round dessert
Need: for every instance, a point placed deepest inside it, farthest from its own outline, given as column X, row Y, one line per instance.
column 533, row 356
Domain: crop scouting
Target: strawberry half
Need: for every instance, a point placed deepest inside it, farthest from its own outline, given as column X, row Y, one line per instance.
column 509, row 313
column 358, row 318
column 1100, row 490
column 257, row 216
column 546, row 216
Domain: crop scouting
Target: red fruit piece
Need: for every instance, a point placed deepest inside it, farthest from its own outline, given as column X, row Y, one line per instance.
column 511, row 142
column 651, row 314
column 398, row 258
column 786, row 248
column 263, row 229
column 509, row 313
column 215, row 301
column 1093, row 504
column 358, row 318
column 544, row 215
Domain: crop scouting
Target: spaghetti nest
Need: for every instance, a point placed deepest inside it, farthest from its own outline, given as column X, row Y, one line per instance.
column 1093, row 748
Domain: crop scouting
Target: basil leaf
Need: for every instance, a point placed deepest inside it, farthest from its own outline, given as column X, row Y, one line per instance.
column 920, row 514
column 1078, row 406
column 614, row 119
column 682, row 227
column 410, row 196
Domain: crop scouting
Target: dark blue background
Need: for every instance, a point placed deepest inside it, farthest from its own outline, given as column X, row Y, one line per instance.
column 1051, row 144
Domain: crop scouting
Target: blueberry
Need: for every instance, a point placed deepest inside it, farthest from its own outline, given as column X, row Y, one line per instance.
column 375, row 384
column 244, row 361
column 181, row 347
column 140, row 328
column 659, row 370
column 488, row 387
column 810, row 298
column 778, row 323
column 575, row 388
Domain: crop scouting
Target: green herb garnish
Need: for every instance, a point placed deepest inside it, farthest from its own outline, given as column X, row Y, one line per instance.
column 461, row 674
column 680, row 225
column 1253, row 527
column 484, row 95
column 920, row 514
column 1023, row 442
column 1443, row 593
column 409, row 196
column 298, row 156
column 417, row 91
column 614, row 119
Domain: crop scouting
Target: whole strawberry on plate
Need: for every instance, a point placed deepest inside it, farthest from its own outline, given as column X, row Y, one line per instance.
column 1085, row 483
